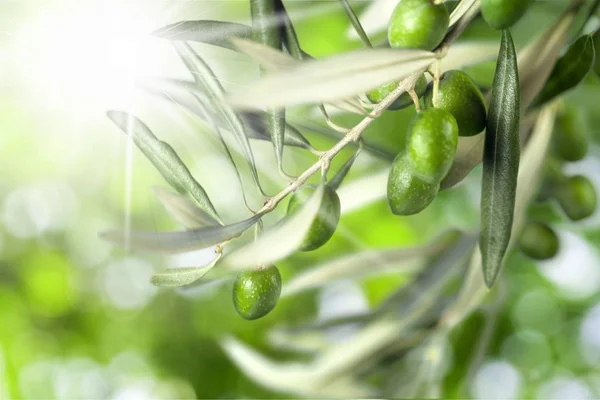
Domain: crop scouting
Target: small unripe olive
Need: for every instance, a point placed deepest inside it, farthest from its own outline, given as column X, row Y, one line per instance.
column 432, row 138
column 501, row 14
column 538, row 241
column 407, row 194
column 325, row 222
column 569, row 140
column 256, row 292
column 377, row 95
column 577, row 197
column 418, row 24
column 460, row 96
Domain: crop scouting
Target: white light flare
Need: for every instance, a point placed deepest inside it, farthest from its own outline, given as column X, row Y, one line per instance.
column 88, row 56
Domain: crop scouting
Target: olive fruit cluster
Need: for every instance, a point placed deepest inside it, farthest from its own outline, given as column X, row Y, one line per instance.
column 415, row 175
column 432, row 137
column 538, row 241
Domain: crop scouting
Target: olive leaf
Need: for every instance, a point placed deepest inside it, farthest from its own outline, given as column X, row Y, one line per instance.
column 288, row 33
column 355, row 22
column 569, row 70
column 333, row 78
column 339, row 177
column 375, row 17
column 469, row 153
column 206, row 79
column 460, row 10
column 278, row 242
column 164, row 158
column 177, row 277
column 187, row 95
column 217, row 33
column 183, row 210
column 181, row 241
column 500, row 162
column 353, row 265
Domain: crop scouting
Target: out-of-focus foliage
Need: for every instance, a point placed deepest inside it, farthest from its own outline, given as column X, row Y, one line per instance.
column 80, row 319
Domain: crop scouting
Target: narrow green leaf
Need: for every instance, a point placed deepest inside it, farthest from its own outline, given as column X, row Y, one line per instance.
column 500, row 162
column 187, row 95
column 181, row 241
column 381, row 261
column 177, row 277
column 333, row 78
column 218, row 33
column 355, row 22
column 164, row 158
column 569, row 70
column 279, row 241
column 288, row 33
column 207, row 80
column 338, row 178
column 183, row 210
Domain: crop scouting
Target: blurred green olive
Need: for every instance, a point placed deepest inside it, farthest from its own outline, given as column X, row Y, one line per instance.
column 418, row 24
column 538, row 241
column 256, row 292
column 552, row 178
column 569, row 141
column 432, row 138
column 407, row 194
column 377, row 95
column 501, row 14
column 325, row 222
column 459, row 95
column 577, row 197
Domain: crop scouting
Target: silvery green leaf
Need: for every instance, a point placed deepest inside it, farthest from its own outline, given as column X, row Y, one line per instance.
column 469, row 153
column 363, row 191
column 206, row 79
column 460, row 10
column 333, row 78
column 164, row 158
column 181, row 241
column 500, row 162
column 375, row 17
column 183, row 210
column 462, row 54
column 269, row 58
column 280, row 241
column 187, row 95
column 177, row 277
column 355, row 22
column 537, row 60
column 353, row 265
column 218, row 33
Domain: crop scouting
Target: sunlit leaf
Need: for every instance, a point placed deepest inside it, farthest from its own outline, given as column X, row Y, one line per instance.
column 469, row 154
column 183, row 210
column 500, row 162
column 206, row 79
column 269, row 58
column 164, row 158
column 355, row 22
column 177, row 277
column 333, row 78
column 375, row 17
column 280, row 241
column 380, row 261
column 218, row 33
column 460, row 10
column 181, row 241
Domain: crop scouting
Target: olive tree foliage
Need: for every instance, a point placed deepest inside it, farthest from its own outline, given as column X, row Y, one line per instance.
column 405, row 338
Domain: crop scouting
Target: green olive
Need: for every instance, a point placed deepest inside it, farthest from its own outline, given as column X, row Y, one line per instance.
column 577, row 197
column 552, row 179
column 569, row 140
column 431, row 143
column 538, row 241
column 459, row 95
column 325, row 222
column 377, row 95
column 418, row 24
column 407, row 194
column 501, row 14
column 256, row 292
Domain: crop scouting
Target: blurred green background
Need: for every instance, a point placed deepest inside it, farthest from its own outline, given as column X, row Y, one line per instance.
column 79, row 318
